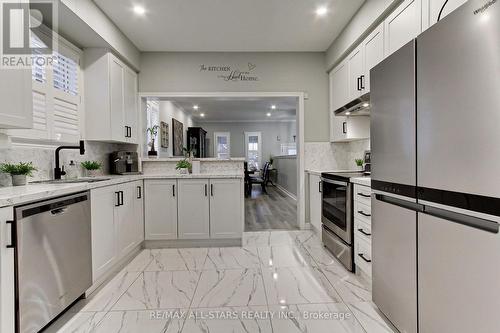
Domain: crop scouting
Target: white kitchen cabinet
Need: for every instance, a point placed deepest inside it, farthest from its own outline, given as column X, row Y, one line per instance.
column 356, row 73
column 345, row 129
column 373, row 53
column 16, row 96
column 110, row 98
column 104, row 230
column 362, row 229
column 7, row 282
column 402, row 25
column 117, row 224
column 161, row 209
column 315, row 201
column 193, row 209
column 431, row 9
column 339, row 86
column 226, row 208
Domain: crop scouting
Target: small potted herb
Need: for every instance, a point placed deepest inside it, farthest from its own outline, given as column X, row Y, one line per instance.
column 359, row 163
column 153, row 132
column 183, row 166
column 91, row 168
column 18, row 171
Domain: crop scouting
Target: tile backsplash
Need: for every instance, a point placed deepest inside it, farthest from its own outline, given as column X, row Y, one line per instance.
column 326, row 156
column 43, row 158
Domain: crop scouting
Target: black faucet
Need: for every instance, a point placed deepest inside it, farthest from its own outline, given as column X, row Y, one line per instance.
column 57, row 169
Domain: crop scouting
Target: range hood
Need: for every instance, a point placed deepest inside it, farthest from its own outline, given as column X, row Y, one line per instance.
column 359, row 107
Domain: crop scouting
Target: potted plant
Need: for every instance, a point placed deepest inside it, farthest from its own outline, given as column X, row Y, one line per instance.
column 18, row 171
column 91, row 168
column 183, row 166
column 153, row 132
column 359, row 163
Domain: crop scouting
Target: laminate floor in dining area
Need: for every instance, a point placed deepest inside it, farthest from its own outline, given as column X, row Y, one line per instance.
column 272, row 211
column 277, row 281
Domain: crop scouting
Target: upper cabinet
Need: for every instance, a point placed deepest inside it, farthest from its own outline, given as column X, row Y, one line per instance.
column 339, row 86
column 402, row 25
column 110, row 98
column 356, row 73
column 373, row 47
column 431, row 9
column 16, row 97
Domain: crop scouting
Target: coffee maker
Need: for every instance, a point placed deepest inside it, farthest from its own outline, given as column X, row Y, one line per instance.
column 124, row 163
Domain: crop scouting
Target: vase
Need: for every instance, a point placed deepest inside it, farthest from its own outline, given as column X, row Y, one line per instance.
column 184, row 171
column 92, row 173
column 18, row 180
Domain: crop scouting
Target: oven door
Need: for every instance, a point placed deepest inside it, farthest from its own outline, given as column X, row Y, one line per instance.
column 336, row 208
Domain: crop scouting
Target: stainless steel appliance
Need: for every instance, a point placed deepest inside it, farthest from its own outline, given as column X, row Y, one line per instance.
column 124, row 162
column 358, row 107
column 337, row 215
column 435, row 214
column 53, row 258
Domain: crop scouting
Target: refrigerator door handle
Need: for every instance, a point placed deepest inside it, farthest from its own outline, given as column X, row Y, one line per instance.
column 401, row 203
column 470, row 221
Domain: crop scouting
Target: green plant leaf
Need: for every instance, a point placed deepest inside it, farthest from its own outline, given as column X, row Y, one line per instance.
column 91, row 165
column 22, row 168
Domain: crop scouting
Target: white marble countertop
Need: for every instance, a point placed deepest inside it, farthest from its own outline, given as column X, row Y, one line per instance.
column 210, row 159
column 365, row 181
column 318, row 172
column 16, row 195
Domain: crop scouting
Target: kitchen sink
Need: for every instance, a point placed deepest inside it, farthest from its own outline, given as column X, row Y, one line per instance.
column 70, row 181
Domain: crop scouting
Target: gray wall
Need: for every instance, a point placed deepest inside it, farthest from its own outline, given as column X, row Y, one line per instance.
column 276, row 72
column 286, row 167
column 270, row 132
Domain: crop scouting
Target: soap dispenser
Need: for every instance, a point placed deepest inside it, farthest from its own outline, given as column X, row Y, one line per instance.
column 71, row 170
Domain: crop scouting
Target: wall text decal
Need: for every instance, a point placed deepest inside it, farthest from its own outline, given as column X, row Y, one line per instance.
column 232, row 73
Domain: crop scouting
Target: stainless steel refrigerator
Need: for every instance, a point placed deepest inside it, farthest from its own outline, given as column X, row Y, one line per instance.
column 435, row 141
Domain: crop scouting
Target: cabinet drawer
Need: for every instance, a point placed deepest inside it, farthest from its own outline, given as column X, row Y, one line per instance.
column 362, row 194
column 363, row 256
column 363, row 212
column 362, row 230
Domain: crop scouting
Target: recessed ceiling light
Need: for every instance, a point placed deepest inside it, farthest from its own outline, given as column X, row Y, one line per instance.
column 322, row 11
column 268, row 114
column 139, row 10
column 347, row 113
column 196, row 107
column 366, row 105
column 273, row 107
column 202, row 115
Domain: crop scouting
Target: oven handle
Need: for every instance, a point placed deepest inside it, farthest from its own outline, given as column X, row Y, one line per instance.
column 335, row 182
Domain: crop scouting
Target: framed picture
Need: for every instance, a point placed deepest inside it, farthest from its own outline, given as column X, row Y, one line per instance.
column 178, row 137
column 164, row 134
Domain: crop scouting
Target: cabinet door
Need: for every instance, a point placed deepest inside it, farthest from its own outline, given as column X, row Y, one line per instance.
column 7, row 285
column 431, row 9
column 125, row 219
column 356, row 73
column 339, row 86
column 193, row 208
column 226, row 211
column 104, row 242
column 16, row 97
column 373, row 47
column 315, row 201
column 116, row 70
column 130, row 100
column 138, row 212
column 161, row 209
column 338, row 128
column 404, row 24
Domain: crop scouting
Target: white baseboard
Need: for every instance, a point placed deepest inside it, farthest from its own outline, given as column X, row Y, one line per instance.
column 290, row 194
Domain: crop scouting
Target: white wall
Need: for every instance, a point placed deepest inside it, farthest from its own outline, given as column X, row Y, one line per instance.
column 286, row 167
column 270, row 133
column 168, row 110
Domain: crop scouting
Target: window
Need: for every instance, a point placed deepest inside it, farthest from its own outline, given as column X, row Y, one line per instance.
column 289, row 148
column 222, row 142
column 56, row 96
column 152, row 119
column 253, row 149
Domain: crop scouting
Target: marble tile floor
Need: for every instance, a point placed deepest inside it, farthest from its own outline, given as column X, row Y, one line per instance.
column 278, row 281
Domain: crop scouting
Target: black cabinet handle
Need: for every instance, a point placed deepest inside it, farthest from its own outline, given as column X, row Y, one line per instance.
column 359, row 83
column 130, row 131
column 319, row 186
column 344, row 129
column 121, row 198
column 362, row 256
column 364, row 195
column 117, row 199
column 139, row 192
column 212, row 190
column 362, row 79
column 206, row 190
column 363, row 213
column 173, row 190
column 364, row 232
column 13, row 235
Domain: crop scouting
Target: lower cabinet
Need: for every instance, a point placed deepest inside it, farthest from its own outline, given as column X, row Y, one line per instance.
column 193, row 209
column 315, row 201
column 7, row 284
column 117, row 224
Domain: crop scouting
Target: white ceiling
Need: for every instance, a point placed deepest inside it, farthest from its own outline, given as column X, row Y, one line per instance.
column 218, row 109
column 230, row 25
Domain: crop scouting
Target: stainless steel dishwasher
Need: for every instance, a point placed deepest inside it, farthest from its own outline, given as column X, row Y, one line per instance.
column 53, row 256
